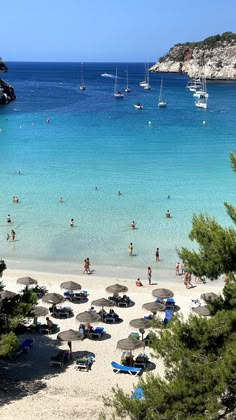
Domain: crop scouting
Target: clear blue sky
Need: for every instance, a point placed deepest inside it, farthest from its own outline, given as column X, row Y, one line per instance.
column 107, row 30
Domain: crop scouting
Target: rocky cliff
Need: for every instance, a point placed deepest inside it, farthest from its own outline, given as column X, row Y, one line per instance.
column 7, row 93
column 215, row 57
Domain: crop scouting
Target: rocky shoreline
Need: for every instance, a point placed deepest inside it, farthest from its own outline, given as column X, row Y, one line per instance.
column 7, row 93
column 214, row 57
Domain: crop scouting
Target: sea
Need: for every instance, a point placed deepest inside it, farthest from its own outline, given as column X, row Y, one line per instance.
column 86, row 146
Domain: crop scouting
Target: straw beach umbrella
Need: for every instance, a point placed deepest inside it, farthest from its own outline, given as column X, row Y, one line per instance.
column 88, row 316
column 162, row 293
column 141, row 324
column 27, row 281
column 71, row 285
column 53, row 299
column 154, row 307
column 201, row 310
column 209, row 297
column 130, row 344
column 117, row 288
column 102, row 302
column 6, row 294
column 69, row 336
column 39, row 311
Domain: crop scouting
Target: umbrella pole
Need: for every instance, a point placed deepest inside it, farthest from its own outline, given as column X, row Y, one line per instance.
column 70, row 347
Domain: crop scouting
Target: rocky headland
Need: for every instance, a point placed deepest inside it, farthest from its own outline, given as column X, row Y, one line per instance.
column 7, row 93
column 214, row 57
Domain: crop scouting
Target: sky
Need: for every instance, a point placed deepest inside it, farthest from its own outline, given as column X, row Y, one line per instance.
column 107, row 30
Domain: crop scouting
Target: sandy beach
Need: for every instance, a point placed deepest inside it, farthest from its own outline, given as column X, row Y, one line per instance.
column 68, row 393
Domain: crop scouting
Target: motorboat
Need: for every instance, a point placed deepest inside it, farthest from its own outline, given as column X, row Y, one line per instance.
column 138, row 106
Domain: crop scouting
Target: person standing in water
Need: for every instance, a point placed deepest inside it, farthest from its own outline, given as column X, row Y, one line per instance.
column 157, row 255
column 13, row 235
column 131, row 247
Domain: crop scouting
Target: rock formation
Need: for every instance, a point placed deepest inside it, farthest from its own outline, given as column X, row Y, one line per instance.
column 215, row 57
column 7, row 93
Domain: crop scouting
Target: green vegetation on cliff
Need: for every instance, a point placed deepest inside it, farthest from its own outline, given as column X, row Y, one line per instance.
column 179, row 51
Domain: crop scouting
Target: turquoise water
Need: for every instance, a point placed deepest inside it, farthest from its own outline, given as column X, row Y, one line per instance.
column 94, row 140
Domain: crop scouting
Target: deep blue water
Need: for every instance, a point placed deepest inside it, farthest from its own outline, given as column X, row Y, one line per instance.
column 94, row 140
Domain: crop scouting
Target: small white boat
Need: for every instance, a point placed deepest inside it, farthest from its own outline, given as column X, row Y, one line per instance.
column 138, row 106
column 82, row 84
column 161, row 102
column 117, row 93
column 202, row 103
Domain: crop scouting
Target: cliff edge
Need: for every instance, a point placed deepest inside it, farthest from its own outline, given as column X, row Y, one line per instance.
column 215, row 57
column 7, row 93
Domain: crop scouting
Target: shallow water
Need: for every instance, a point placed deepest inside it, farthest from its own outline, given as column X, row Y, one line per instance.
column 93, row 140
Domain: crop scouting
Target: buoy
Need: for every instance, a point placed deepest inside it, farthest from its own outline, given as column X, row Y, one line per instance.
column 149, row 122
column 204, row 122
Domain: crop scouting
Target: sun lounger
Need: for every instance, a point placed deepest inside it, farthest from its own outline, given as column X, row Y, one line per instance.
column 98, row 332
column 84, row 363
column 60, row 358
column 24, row 347
column 124, row 369
column 134, row 335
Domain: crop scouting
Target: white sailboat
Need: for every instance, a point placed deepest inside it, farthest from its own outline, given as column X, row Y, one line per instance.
column 144, row 82
column 161, row 102
column 117, row 93
column 82, row 84
column 127, row 89
column 202, row 95
column 147, row 84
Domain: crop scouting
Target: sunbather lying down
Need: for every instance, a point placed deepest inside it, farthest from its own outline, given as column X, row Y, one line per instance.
column 85, row 362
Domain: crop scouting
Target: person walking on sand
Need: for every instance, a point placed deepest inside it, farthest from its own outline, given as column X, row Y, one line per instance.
column 177, row 269
column 13, row 235
column 131, row 247
column 149, row 275
column 157, row 255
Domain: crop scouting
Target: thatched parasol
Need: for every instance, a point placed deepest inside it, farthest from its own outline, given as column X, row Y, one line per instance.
column 130, row 344
column 53, row 298
column 88, row 316
column 154, row 307
column 70, row 335
column 6, row 294
column 162, row 293
column 71, row 285
column 39, row 311
column 140, row 323
column 201, row 310
column 117, row 288
column 209, row 297
column 102, row 302
column 27, row 281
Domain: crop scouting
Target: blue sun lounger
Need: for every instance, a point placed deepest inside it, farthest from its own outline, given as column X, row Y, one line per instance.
column 121, row 368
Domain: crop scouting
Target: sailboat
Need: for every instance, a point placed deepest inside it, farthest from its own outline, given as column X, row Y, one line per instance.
column 127, row 89
column 147, row 86
column 117, row 93
column 161, row 102
column 82, row 84
column 202, row 95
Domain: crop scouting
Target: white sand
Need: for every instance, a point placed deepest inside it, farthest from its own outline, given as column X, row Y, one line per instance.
column 74, row 394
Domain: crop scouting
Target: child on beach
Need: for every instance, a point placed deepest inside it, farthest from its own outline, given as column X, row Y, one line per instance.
column 149, row 275
column 139, row 283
